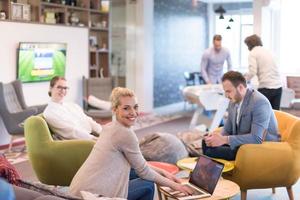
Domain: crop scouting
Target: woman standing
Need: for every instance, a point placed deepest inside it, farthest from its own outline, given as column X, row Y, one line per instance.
column 106, row 170
column 262, row 64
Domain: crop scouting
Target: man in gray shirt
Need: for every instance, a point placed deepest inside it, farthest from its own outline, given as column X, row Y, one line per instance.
column 213, row 60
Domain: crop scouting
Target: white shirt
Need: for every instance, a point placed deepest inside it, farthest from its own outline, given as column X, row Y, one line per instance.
column 69, row 121
column 239, row 106
column 212, row 63
column 262, row 64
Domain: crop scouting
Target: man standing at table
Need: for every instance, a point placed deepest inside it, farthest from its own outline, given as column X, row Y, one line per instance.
column 213, row 60
column 251, row 120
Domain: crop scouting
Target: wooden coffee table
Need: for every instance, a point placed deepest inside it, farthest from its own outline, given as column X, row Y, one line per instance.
column 225, row 189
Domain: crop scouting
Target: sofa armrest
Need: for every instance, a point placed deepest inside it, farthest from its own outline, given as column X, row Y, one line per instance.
column 259, row 165
column 61, row 161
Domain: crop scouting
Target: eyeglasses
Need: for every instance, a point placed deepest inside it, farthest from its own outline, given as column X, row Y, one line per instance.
column 62, row 87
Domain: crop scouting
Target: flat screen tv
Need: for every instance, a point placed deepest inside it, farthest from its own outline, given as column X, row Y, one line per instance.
column 41, row 61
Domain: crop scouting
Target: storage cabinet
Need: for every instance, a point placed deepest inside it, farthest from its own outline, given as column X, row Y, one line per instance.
column 93, row 14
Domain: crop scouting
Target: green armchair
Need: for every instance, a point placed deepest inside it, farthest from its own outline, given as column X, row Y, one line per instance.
column 55, row 162
column 271, row 164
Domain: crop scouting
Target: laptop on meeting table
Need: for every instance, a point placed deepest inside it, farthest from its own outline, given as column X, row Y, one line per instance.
column 203, row 180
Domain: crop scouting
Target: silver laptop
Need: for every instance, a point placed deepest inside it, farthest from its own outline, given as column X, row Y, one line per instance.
column 202, row 181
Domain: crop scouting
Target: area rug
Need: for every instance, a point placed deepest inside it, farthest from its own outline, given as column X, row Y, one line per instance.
column 145, row 120
column 148, row 120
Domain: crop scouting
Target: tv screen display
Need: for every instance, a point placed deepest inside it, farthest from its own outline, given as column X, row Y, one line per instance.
column 41, row 61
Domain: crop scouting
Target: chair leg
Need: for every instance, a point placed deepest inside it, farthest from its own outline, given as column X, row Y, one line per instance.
column 10, row 144
column 273, row 190
column 290, row 192
column 159, row 193
column 243, row 194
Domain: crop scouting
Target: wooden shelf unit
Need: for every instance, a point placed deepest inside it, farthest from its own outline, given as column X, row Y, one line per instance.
column 86, row 13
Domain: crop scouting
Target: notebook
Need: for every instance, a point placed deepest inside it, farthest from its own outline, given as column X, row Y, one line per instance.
column 202, row 181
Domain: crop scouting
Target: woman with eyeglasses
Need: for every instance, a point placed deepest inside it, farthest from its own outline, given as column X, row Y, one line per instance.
column 107, row 168
column 67, row 120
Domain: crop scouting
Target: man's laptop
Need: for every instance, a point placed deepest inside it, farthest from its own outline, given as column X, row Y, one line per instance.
column 202, row 181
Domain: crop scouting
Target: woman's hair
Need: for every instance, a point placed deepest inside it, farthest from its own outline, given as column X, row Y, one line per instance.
column 253, row 41
column 117, row 93
column 54, row 81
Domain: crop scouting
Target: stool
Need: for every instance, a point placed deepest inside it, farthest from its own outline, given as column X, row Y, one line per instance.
column 173, row 169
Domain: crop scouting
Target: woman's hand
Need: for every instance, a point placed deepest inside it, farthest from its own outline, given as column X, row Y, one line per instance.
column 182, row 188
column 170, row 176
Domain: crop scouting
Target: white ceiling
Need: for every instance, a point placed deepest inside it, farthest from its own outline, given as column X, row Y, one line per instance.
column 225, row 1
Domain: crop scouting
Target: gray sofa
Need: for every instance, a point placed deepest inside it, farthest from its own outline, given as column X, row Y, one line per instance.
column 26, row 194
column 100, row 88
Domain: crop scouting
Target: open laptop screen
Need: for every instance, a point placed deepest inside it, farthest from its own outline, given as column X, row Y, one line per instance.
column 206, row 174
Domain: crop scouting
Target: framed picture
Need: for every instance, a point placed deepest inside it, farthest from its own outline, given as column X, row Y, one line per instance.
column 20, row 11
column 26, row 14
column 16, row 11
column 93, row 41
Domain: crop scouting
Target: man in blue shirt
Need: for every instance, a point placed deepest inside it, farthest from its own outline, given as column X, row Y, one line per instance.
column 213, row 60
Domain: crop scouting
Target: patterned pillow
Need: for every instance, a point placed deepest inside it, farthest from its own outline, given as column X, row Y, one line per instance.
column 8, row 171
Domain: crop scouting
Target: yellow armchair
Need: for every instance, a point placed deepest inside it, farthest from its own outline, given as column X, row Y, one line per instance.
column 271, row 164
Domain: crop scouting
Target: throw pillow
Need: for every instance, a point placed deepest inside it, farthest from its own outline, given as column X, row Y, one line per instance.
column 162, row 147
column 8, row 171
column 98, row 103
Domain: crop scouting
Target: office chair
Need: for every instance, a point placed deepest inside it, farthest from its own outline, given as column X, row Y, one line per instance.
column 13, row 109
column 189, row 78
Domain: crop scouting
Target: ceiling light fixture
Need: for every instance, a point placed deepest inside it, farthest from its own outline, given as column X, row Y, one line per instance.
column 228, row 27
column 221, row 16
column 231, row 20
column 220, row 10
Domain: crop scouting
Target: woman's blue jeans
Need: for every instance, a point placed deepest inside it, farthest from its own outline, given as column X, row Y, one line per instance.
column 6, row 191
column 139, row 189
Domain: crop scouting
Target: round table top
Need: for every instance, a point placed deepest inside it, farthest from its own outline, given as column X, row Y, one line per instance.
column 225, row 189
column 190, row 163
column 173, row 169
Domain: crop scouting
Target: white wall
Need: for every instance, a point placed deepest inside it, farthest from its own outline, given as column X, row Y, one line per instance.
column 76, row 64
column 139, row 58
column 289, row 42
column 273, row 20
column 257, row 14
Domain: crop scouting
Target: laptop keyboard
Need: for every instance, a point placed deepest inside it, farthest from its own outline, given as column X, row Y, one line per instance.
column 180, row 194
column 195, row 192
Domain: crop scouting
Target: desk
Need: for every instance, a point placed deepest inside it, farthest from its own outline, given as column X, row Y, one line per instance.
column 210, row 97
column 225, row 189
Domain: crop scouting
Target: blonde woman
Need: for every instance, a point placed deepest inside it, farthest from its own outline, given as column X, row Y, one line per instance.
column 106, row 170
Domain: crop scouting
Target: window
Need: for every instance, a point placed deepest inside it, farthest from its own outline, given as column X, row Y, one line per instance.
column 233, row 38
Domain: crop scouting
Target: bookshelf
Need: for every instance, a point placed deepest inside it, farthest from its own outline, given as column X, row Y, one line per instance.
column 92, row 14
